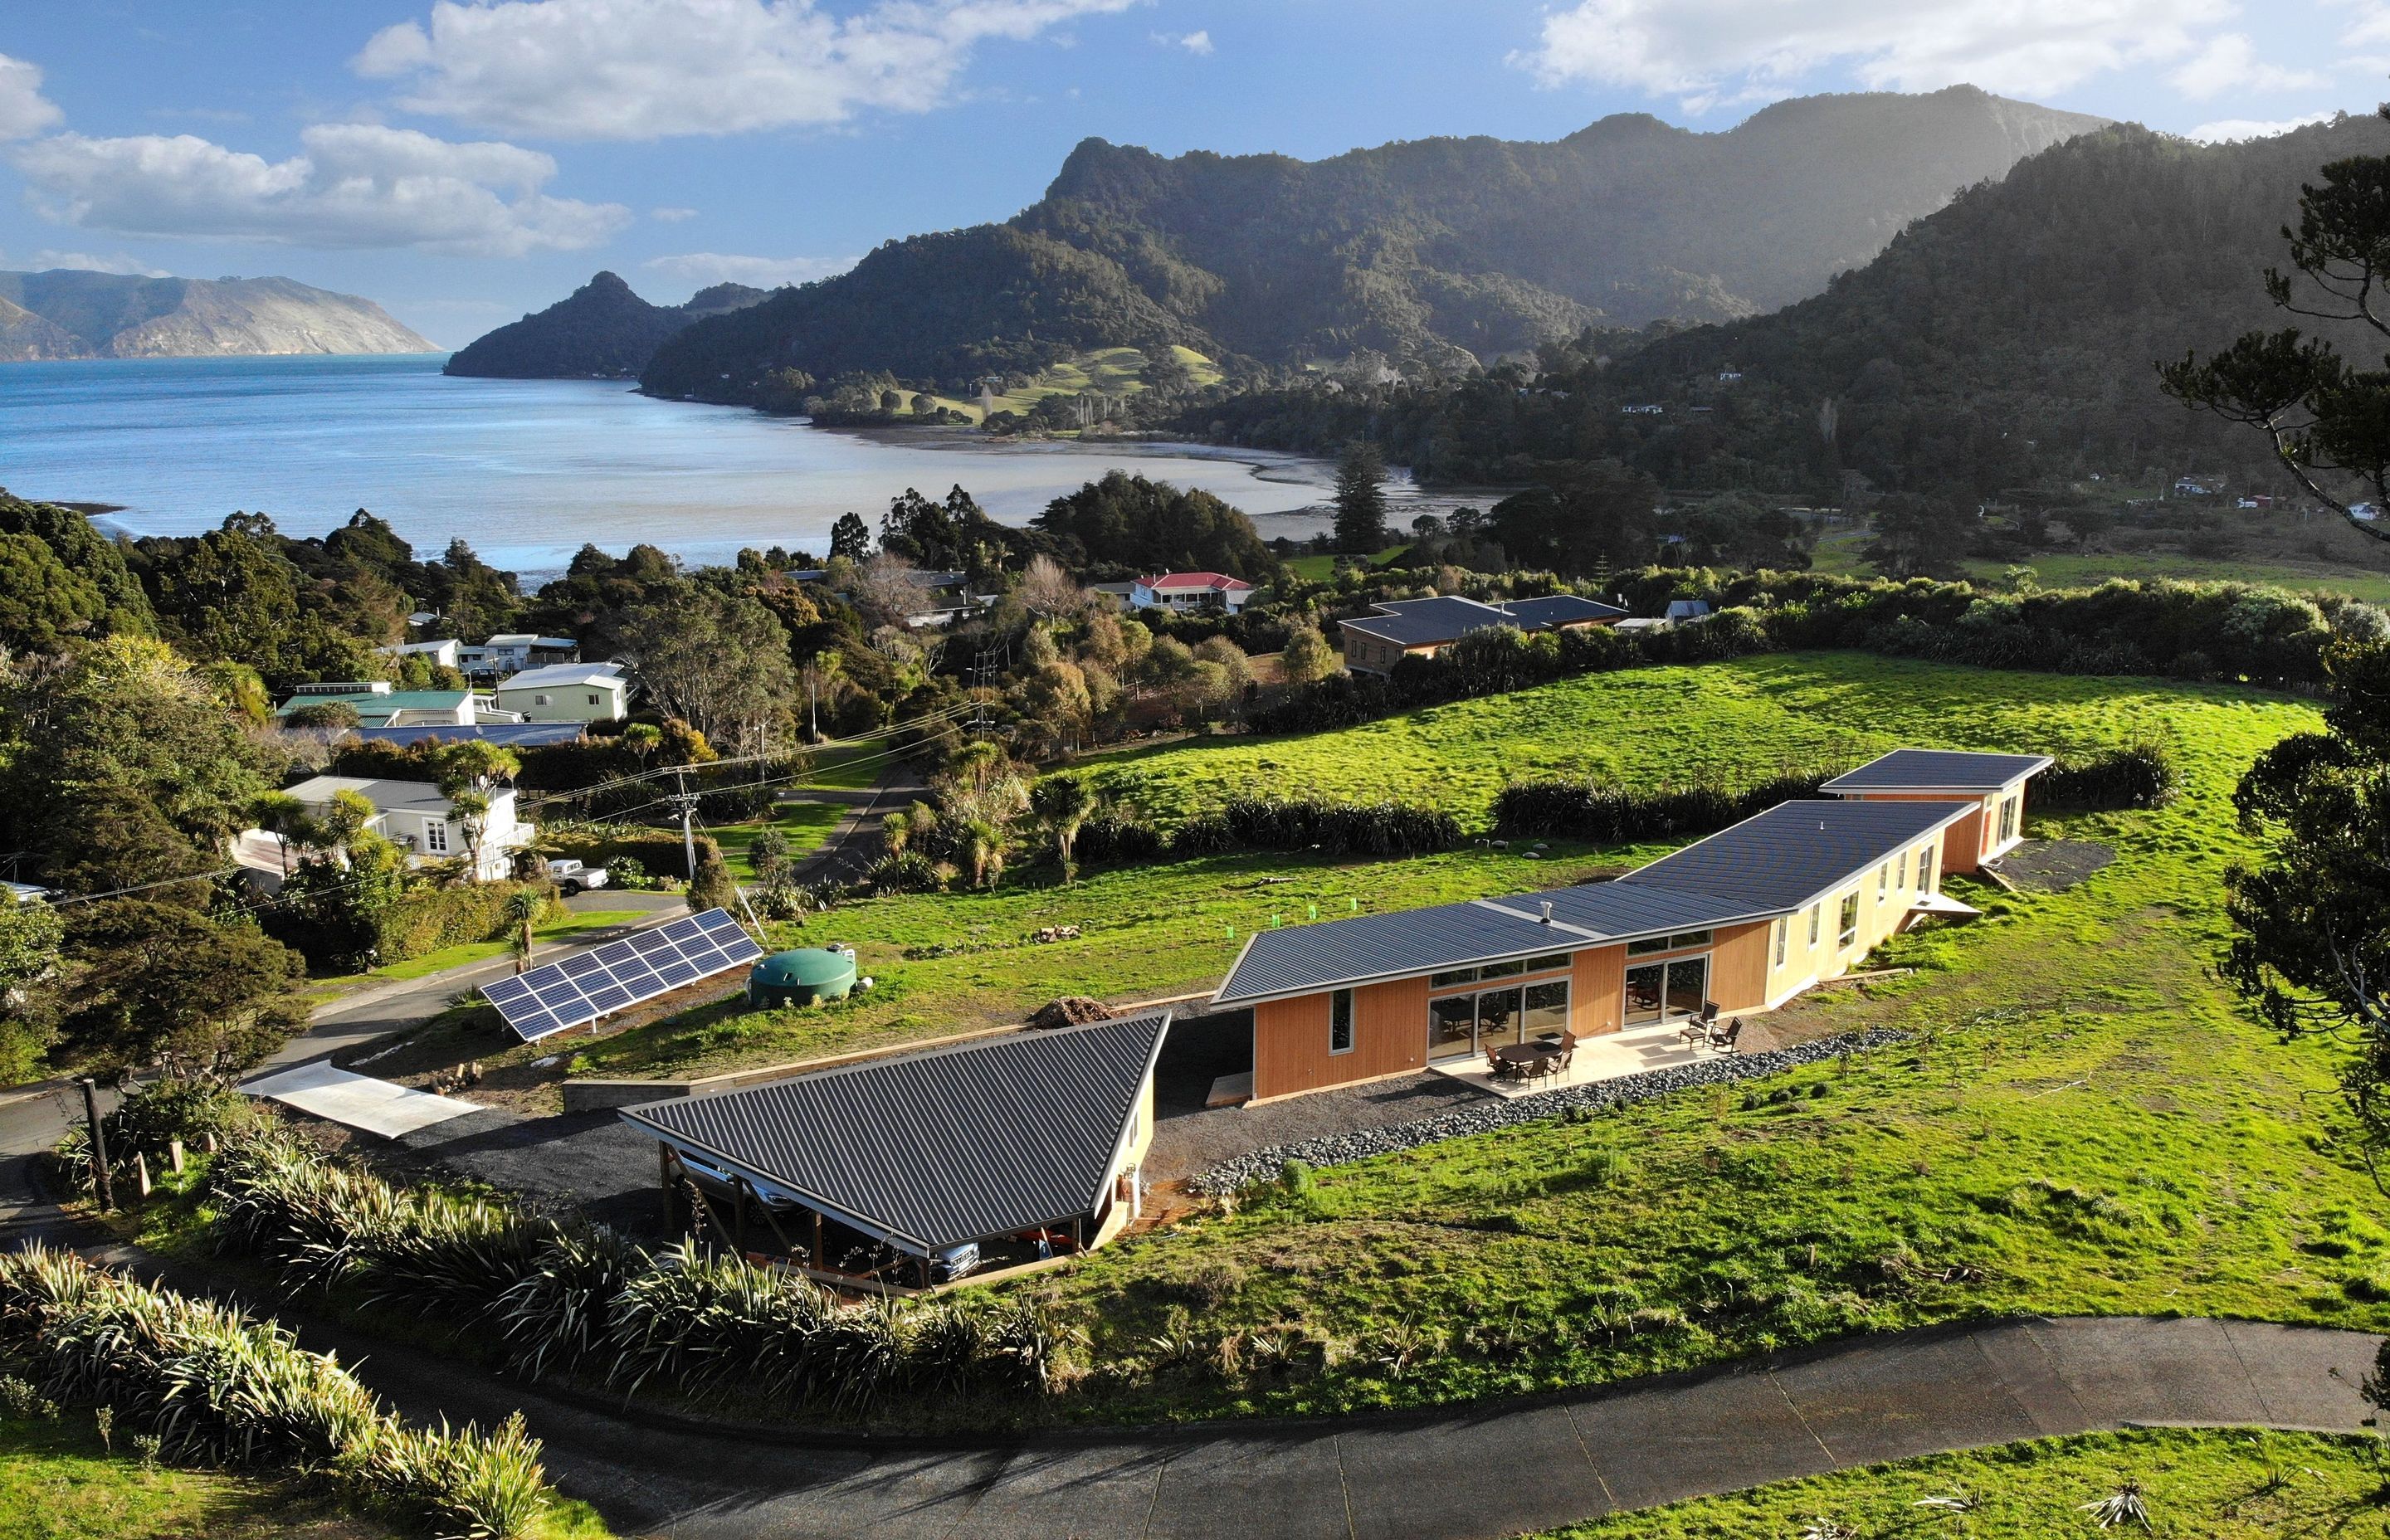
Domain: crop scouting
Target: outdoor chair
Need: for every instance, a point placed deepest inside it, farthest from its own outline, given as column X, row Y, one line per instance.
column 1723, row 1038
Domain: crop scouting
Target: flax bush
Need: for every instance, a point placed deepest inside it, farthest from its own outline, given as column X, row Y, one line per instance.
column 214, row 1387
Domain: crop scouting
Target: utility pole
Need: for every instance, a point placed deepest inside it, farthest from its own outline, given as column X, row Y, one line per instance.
column 687, row 802
column 100, row 1184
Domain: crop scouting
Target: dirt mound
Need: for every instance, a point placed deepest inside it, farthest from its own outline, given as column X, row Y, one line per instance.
column 1071, row 1010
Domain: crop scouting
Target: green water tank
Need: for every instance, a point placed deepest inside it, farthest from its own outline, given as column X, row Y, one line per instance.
column 801, row 977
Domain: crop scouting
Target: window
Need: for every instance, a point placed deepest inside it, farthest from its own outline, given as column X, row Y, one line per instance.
column 2008, row 819
column 1850, row 918
column 1925, row 870
column 435, row 837
column 1548, row 1010
column 1339, row 1022
column 593, row 699
column 1904, row 870
column 1677, row 943
column 1452, row 976
column 1545, row 965
column 1817, row 913
column 1884, row 880
column 1501, row 970
column 539, row 700
column 1784, row 929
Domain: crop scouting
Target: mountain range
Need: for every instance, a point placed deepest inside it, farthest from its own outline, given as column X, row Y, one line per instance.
column 68, row 313
column 601, row 329
column 1423, row 248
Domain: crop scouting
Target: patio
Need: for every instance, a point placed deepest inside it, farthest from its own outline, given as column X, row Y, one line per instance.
column 1608, row 1056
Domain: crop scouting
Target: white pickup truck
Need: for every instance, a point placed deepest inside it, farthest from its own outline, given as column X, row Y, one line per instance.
column 572, row 877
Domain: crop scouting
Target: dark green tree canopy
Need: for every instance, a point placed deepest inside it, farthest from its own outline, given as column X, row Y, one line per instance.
column 1126, row 522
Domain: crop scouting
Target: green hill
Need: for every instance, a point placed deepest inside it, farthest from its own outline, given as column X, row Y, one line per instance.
column 601, row 329
column 1418, row 250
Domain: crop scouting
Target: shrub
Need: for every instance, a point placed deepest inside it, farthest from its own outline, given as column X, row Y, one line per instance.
column 2141, row 776
column 429, row 918
column 657, row 850
column 1608, row 814
column 1383, row 828
column 1114, row 835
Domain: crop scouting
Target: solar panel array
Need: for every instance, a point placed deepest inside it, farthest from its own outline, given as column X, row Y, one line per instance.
column 619, row 974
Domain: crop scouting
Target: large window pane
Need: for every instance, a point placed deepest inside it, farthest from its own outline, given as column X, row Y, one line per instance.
column 1688, row 986
column 1548, row 1010
column 1545, row 965
column 1646, row 988
column 1451, row 977
column 1501, row 970
column 1497, row 1017
column 1451, row 1026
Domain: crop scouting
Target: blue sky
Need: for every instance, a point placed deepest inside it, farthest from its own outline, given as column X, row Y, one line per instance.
column 464, row 163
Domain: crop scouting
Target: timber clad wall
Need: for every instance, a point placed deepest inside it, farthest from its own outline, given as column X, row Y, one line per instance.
column 1290, row 1039
column 1596, row 982
column 1739, row 967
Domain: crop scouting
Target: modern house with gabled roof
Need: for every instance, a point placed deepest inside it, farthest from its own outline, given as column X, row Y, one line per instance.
column 1994, row 783
column 1399, row 628
column 1745, row 920
column 916, row 1169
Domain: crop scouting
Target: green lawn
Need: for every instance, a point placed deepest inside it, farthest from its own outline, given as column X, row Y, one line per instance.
column 1107, row 371
column 58, row 1484
column 1745, row 720
column 573, row 923
column 2086, row 571
column 2086, row 1124
column 2196, row 1484
column 807, row 826
column 847, row 767
column 1319, row 569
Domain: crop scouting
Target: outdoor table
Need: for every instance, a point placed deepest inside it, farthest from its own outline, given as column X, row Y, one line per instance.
column 1517, row 1055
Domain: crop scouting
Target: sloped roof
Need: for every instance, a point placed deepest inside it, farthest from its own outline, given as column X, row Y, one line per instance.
column 515, row 734
column 1961, row 771
column 382, row 702
column 1449, row 617
column 1558, row 609
column 1763, row 867
column 1214, row 581
column 388, row 795
column 935, row 1148
column 564, row 675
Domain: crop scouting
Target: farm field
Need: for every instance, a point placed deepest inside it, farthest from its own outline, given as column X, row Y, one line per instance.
column 2196, row 1485
column 1741, row 722
column 1105, row 371
column 2084, row 1121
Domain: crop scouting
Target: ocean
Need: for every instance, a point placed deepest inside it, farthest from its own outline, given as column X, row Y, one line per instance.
column 527, row 472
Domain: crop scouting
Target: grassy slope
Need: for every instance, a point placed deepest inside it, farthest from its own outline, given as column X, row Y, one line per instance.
column 1745, row 720
column 2086, row 1125
column 1109, row 371
column 572, row 923
column 2204, row 1485
column 807, row 825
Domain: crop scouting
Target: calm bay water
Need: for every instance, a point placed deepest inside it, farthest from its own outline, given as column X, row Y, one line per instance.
column 526, row 470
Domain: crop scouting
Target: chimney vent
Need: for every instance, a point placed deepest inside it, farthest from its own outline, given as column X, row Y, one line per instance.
column 1548, row 911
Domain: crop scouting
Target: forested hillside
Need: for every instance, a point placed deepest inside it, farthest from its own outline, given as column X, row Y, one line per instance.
column 2007, row 339
column 601, row 328
column 1435, row 252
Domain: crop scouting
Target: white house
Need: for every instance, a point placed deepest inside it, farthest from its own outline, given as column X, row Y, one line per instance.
column 419, row 818
column 1191, row 591
column 444, row 654
column 512, row 651
column 567, row 692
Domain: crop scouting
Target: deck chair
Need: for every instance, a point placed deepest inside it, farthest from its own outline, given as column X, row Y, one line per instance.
column 1723, row 1038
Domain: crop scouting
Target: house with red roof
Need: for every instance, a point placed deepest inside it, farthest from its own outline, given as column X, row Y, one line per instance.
column 1185, row 591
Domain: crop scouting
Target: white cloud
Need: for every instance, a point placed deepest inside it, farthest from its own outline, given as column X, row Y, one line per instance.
column 1198, row 44
column 86, row 262
column 1709, row 51
column 645, row 69
column 2229, row 63
column 2227, row 131
column 672, row 215
column 24, row 112
column 352, row 185
column 712, row 267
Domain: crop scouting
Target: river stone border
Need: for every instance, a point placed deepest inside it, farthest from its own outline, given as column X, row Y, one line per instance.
column 1330, row 1150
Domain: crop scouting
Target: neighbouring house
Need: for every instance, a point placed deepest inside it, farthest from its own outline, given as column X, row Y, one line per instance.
column 1375, row 643
column 379, row 705
column 567, row 692
column 1992, row 786
column 1188, row 591
column 506, row 735
column 447, row 653
column 419, row 818
column 918, row 1169
column 2198, row 486
column 513, row 651
column 1743, row 920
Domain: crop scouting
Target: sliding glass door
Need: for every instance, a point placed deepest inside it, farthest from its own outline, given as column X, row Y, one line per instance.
column 1462, row 1025
column 1658, row 991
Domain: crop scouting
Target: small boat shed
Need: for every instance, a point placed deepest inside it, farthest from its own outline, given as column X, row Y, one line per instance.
column 920, row 1169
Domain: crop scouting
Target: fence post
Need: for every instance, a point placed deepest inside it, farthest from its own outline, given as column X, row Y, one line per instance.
column 141, row 1173
column 174, row 1155
column 102, row 1187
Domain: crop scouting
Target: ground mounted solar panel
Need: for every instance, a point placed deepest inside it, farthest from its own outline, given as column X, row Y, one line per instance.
column 587, row 986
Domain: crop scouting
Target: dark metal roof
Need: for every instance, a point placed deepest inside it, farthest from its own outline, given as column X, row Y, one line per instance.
column 1780, row 859
column 1763, row 866
column 936, row 1148
column 1939, row 770
column 520, row 735
column 1558, row 609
